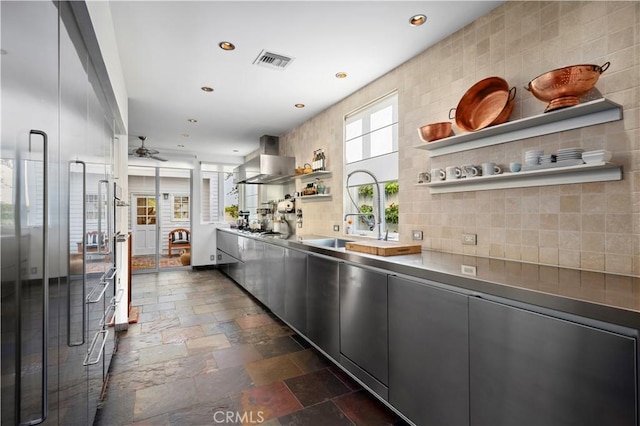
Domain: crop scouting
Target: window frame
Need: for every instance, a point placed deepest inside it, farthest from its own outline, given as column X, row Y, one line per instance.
column 383, row 166
column 182, row 204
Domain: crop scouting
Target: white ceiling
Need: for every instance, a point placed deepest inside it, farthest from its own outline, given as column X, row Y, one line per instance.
column 169, row 50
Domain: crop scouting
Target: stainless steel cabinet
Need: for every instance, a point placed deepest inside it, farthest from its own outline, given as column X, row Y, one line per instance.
column 227, row 243
column 253, row 257
column 323, row 324
column 54, row 119
column 29, row 33
column 228, row 252
column 363, row 325
column 532, row 369
column 295, row 293
column 428, row 353
column 274, row 278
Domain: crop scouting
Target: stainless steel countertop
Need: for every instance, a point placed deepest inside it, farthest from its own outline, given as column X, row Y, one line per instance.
column 605, row 297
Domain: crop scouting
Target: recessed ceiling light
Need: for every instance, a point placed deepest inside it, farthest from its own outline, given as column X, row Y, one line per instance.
column 206, row 89
column 341, row 75
column 299, row 105
column 192, row 120
column 417, row 20
column 235, row 150
column 225, row 45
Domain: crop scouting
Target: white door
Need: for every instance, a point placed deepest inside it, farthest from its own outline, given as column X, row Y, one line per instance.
column 144, row 224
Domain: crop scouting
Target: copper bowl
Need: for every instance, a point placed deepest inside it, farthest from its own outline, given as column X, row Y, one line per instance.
column 563, row 87
column 433, row 132
column 486, row 103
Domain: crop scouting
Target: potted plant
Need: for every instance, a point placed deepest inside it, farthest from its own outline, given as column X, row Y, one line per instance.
column 232, row 212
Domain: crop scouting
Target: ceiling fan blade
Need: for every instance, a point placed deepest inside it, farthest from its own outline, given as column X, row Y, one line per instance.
column 157, row 158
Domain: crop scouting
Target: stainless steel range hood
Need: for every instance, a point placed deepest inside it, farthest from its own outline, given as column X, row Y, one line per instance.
column 267, row 167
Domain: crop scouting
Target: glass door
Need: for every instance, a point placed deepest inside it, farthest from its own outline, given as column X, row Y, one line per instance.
column 160, row 220
column 175, row 210
column 143, row 220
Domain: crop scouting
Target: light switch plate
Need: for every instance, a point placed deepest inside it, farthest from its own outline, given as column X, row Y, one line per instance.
column 416, row 235
column 336, row 228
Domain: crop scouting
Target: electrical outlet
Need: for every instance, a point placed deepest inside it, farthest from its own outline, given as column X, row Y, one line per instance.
column 468, row 270
column 416, row 235
column 336, row 228
column 34, row 270
column 470, row 239
column 212, row 257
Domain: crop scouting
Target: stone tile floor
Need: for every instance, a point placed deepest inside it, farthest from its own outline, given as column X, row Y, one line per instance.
column 204, row 352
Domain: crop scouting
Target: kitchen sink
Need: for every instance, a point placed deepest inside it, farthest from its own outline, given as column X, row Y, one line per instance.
column 329, row 242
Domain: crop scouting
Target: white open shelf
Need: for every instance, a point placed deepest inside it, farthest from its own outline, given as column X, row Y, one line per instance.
column 317, row 197
column 586, row 114
column 319, row 174
column 594, row 172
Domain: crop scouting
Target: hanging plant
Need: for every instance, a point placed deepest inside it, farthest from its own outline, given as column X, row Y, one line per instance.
column 391, row 188
column 366, row 191
column 391, row 213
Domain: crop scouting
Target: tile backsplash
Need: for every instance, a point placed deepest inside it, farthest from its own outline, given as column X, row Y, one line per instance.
column 593, row 226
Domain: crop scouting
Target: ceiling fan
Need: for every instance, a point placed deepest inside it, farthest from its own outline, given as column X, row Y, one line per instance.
column 144, row 152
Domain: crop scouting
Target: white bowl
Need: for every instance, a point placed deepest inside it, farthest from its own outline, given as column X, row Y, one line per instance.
column 596, row 156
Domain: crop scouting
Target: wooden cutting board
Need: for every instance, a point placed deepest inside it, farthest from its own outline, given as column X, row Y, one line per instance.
column 383, row 248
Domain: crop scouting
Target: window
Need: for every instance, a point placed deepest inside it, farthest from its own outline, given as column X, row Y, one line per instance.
column 371, row 150
column 219, row 197
column 180, row 208
column 146, row 210
column 91, row 203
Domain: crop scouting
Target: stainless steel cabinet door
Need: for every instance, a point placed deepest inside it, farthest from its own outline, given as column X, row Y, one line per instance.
column 295, row 293
column 322, row 304
column 255, row 278
column 428, row 353
column 532, row 369
column 363, row 322
column 274, row 278
column 30, row 257
column 228, row 243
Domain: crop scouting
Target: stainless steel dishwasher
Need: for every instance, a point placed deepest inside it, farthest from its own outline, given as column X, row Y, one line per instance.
column 364, row 327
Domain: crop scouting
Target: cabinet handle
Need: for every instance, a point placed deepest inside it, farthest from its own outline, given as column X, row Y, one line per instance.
column 105, row 285
column 101, row 202
column 87, row 359
column 80, row 342
column 45, row 289
column 110, row 274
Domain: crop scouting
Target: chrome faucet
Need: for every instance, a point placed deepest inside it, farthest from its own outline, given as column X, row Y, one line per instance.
column 370, row 218
column 378, row 206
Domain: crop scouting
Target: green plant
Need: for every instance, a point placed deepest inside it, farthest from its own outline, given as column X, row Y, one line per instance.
column 232, row 210
column 391, row 213
column 391, row 188
column 366, row 191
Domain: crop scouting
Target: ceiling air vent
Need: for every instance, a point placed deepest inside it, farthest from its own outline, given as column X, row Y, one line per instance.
column 272, row 60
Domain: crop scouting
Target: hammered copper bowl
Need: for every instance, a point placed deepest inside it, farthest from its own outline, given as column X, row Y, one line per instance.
column 433, row 132
column 486, row 103
column 563, row 87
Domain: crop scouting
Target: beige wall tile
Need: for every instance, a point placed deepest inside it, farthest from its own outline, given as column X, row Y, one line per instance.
column 578, row 225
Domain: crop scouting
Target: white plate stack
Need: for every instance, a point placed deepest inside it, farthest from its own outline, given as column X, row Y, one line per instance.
column 547, row 159
column 569, row 154
column 532, row 158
